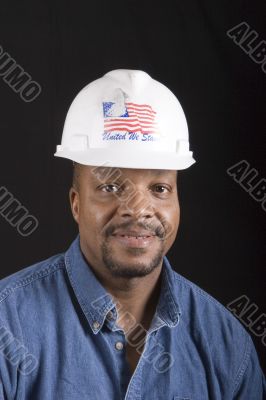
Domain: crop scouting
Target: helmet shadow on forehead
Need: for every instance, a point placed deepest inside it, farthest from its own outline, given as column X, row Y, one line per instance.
column 104, row 173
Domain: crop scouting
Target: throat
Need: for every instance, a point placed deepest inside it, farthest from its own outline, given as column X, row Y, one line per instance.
column 135, row 345
column 133, row 354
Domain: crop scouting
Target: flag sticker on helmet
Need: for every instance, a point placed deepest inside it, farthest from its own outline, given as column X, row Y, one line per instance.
column 129, row 118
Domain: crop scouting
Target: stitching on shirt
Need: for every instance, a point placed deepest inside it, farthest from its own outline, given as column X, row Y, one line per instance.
column 177, row 311
column 83, row 305
column 59, row 264
column 244, row 363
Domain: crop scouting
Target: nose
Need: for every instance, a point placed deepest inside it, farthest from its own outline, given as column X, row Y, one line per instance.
column 137, row 205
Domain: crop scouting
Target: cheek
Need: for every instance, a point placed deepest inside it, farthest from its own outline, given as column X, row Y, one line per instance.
column 87, row 213
column 172, row 218
column 93, row 218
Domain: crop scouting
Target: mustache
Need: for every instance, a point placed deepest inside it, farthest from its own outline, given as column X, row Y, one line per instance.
column 158, row 230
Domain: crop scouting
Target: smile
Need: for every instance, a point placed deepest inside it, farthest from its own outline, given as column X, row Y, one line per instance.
column 134, row 241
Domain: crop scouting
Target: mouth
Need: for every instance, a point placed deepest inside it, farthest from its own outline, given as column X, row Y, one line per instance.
column 130, row 240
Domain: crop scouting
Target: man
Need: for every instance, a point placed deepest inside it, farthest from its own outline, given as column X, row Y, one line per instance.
column 110, row 319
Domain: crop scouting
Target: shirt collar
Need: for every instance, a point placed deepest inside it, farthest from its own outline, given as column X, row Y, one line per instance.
column 96, row 302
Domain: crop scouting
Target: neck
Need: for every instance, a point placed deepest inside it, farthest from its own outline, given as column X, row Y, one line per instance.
column 138, row 300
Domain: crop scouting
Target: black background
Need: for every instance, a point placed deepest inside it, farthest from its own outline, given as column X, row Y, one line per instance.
column 65, row 45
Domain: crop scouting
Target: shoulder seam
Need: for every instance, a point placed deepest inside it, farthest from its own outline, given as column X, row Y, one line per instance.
column 60, row 264
column 244, row 364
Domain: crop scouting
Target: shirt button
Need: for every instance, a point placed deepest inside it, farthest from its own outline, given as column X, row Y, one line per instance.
column 119, row 345
column 109, row 315
column 95, row 324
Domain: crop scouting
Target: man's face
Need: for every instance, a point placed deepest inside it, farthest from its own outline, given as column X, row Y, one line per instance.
column 114, row 205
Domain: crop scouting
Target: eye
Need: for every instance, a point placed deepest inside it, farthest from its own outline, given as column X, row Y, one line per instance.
column 162, row 189
column 108, row 188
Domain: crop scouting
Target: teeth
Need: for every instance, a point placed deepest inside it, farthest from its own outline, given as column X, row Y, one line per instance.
column 137, row 237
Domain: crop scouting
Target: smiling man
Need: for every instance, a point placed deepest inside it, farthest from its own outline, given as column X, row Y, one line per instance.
column 110, row 319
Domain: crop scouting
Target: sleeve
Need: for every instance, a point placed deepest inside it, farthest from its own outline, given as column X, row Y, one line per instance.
column 2, row 395
column 251, row 383
column 11, row 353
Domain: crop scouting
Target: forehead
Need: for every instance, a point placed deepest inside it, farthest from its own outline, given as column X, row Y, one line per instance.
column 105, row 173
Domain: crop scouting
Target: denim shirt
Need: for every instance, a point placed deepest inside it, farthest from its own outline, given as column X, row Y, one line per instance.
column 59, row 340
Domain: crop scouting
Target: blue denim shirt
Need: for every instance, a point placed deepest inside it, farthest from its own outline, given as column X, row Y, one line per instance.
column 59, row 340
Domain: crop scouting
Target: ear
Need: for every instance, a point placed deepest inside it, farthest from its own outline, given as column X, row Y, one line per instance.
column 74, row 203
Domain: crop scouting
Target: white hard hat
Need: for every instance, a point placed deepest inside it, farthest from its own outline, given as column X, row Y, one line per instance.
column 126, row 119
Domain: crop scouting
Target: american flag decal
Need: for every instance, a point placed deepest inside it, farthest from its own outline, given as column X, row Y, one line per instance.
column 131, row 117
